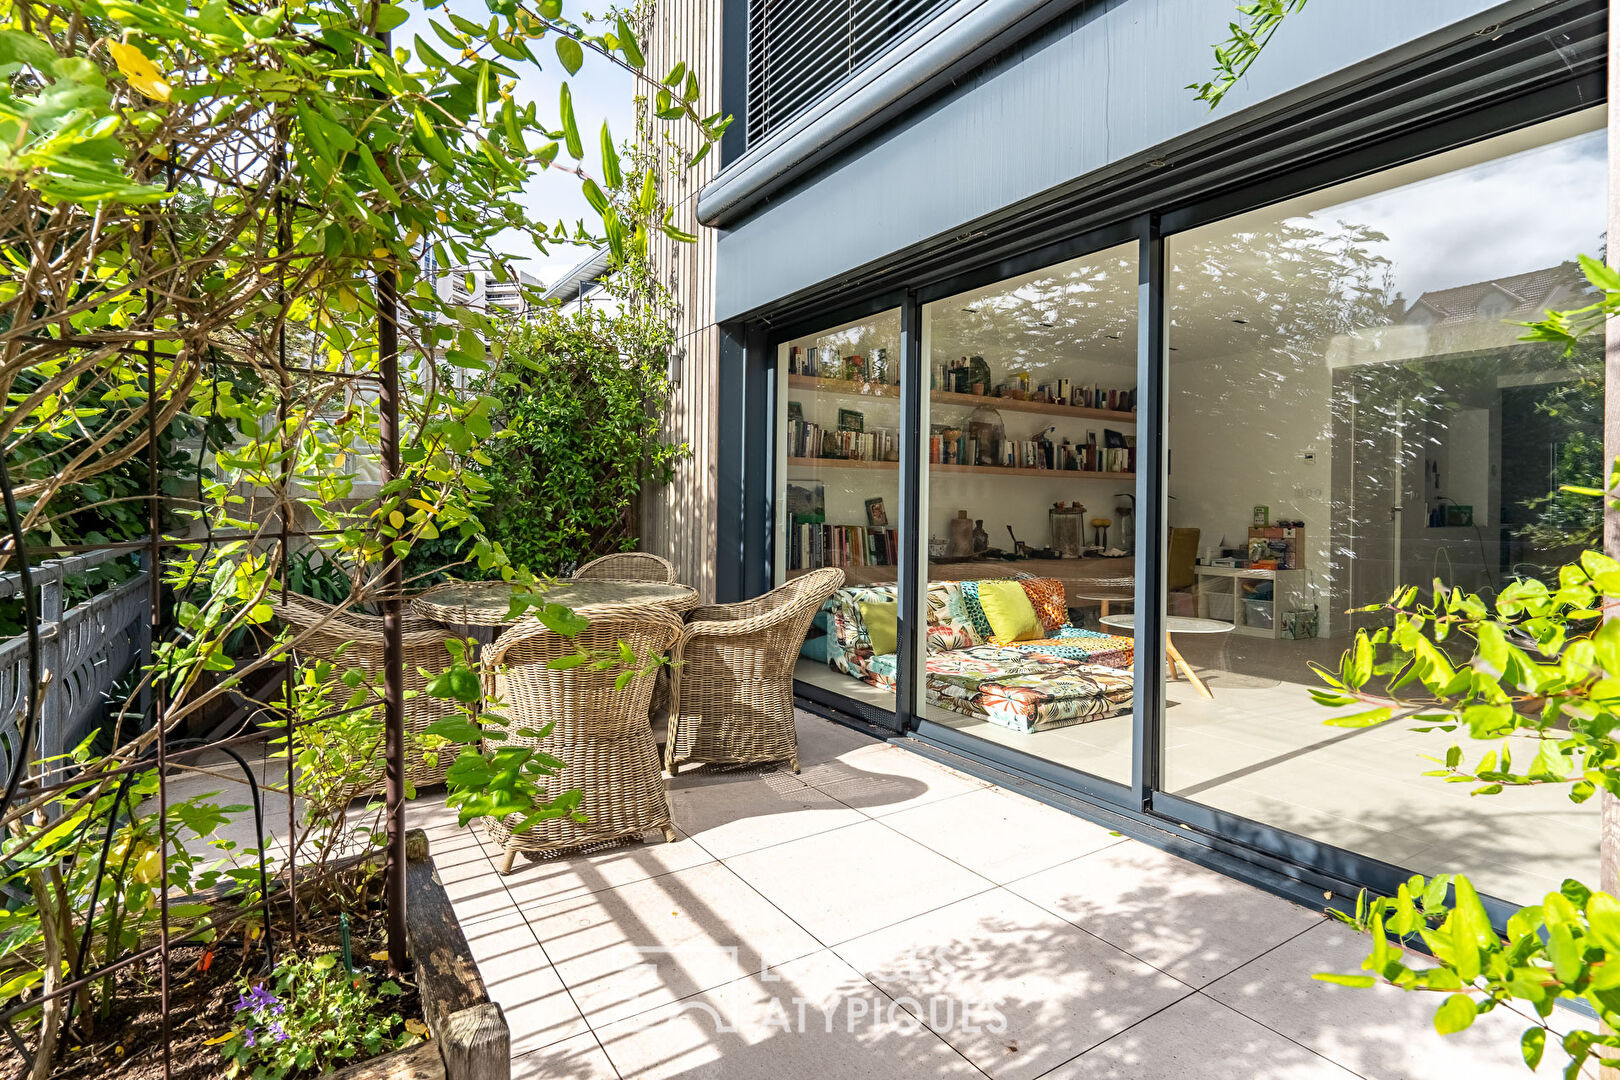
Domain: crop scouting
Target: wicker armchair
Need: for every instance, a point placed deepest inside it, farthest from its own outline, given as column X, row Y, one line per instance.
column 628, row 566
column 600, row 731
column 319, row 629
column 732, row 699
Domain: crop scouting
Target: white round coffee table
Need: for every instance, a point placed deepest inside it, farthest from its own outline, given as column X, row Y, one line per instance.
column 1175, row 624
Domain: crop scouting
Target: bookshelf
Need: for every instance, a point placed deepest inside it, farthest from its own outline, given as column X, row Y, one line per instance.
column 980, row 470
column 944, row 397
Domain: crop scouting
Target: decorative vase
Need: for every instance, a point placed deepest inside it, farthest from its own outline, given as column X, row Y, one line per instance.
column 985, row 428
column 960, row 544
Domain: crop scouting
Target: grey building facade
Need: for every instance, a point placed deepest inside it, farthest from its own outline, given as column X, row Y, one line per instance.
column 985, row 274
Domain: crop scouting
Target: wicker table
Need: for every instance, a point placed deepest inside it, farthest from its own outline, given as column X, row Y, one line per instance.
column 1176, row 624
column 479, row 609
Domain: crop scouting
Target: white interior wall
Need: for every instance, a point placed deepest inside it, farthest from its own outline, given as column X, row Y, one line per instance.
column 1239, row 433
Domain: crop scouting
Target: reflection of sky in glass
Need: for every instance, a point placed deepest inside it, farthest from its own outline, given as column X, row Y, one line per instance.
column 1488, row 220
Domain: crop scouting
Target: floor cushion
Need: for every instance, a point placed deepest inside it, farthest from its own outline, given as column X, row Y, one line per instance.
column 1055, row 699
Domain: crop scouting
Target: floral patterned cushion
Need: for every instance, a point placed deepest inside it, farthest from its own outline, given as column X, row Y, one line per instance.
column 1087, row 646
column 975, row 612
column 948, row 624
column 1047, row 598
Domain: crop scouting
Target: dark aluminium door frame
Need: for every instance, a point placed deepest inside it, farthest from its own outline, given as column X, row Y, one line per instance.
column 1280, row 861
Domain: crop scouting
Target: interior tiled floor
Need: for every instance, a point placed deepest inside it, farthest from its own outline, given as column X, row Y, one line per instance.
column 1260, row 749
column 881, row 916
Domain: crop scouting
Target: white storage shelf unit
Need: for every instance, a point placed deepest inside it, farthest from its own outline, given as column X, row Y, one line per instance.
column 1226, row 593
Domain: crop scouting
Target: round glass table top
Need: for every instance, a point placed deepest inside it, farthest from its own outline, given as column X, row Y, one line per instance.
column 1175, row 624
column 472, row 603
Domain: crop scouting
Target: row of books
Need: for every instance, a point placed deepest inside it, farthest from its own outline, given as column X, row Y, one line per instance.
column 809, row 440
column 813, row 544
column 1088, row 397
column 1034, row 454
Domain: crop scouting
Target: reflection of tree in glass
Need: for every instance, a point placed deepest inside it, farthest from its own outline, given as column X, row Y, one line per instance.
column 1574, row 410
column 880, row 332
column 1071, row 312
column 1295, row 284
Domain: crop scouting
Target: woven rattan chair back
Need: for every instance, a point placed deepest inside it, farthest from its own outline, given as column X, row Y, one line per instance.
column 598, row 728
column 628, row 566
column 320, row 630
column 732, row 701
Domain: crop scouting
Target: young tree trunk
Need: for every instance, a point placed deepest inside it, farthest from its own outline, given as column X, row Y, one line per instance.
column 50, row 1019
column 1609, row 816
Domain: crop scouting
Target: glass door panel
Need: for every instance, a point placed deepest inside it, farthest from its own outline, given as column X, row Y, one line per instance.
column 1352, row 409
column 1028, row 499
column 838, row 487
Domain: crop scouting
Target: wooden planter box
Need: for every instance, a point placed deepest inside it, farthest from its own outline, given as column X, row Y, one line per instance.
column 470, row 1038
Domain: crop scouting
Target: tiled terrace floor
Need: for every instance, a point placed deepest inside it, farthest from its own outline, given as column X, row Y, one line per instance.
column 801, row 926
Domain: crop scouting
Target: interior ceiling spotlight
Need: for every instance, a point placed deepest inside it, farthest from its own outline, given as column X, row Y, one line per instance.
column 1241, row 322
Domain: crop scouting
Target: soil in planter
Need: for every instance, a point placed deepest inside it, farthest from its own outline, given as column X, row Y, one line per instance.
column 127, row 1045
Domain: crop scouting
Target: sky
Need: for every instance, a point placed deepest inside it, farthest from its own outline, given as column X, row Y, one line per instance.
column 602, row 91
column 1474, row 220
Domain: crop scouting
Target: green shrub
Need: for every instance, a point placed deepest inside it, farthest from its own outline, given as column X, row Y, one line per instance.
column 581, row 396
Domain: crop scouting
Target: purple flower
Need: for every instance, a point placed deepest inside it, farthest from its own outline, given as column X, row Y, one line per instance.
column 260, row 998
column 247, row 1037
column 276, row 1030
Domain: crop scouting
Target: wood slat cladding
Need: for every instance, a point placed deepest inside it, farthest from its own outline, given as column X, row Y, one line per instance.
column 678, row 521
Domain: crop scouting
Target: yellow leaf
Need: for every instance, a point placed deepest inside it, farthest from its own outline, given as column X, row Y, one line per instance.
column 140, row 71
column 381, row 956
column 397, row 520
column 225, row 1038
column 416, row 1027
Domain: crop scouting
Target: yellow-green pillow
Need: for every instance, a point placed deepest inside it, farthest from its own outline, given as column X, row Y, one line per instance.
column 881, row 620
column 1012, row 617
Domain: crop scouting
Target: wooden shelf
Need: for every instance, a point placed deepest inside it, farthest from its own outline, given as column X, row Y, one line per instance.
column 839, row 463
column 945, row 397
column 1056, row 474
column 981, row 470
column 842, row 386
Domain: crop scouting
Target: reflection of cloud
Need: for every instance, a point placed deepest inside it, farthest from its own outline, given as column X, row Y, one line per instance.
column 1539, row 207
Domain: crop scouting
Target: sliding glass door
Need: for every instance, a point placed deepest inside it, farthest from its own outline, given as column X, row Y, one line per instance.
column 1027, row 454
column 1352, row 408
column 838, row 494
